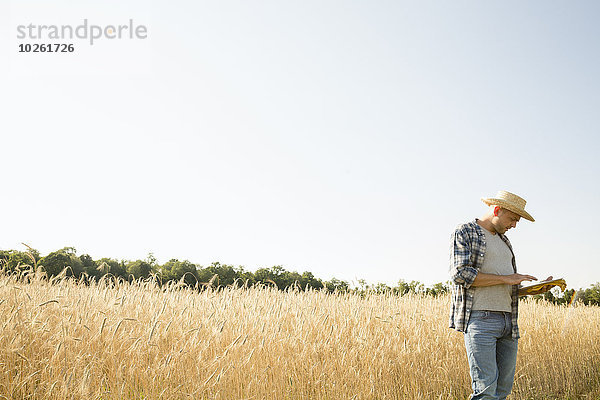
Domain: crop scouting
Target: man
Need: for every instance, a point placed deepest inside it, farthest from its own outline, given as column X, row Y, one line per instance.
column 485, row 294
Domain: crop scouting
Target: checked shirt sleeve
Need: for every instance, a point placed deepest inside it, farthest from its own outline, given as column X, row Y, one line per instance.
column 462, row 255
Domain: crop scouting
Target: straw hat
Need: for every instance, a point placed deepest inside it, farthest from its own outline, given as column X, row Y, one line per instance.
column 509, row 201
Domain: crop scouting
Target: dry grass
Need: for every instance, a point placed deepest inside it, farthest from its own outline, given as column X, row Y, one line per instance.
column 117, row 340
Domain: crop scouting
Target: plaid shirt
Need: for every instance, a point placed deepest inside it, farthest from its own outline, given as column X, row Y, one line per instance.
column 466, row 259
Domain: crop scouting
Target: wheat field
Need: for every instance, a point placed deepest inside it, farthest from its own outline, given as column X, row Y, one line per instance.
column 63, row 339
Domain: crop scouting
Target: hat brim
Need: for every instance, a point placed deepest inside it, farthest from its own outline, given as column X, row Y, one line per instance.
column 508, row 206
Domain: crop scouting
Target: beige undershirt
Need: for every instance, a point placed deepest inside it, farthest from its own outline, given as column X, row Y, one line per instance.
column 497, row 260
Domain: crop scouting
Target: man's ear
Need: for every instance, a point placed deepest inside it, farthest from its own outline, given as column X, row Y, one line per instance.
column 496, row 211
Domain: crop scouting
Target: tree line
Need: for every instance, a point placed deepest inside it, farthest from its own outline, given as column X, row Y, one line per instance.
column 216, row 274
column 221, row 275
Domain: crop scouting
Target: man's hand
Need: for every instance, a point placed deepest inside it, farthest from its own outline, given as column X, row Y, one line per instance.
column 483, row 279
column 516, row 279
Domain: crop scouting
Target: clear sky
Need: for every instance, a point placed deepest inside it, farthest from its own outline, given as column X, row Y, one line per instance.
column 345, row 138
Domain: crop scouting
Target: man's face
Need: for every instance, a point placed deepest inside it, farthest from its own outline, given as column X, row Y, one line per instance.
column 504, row 220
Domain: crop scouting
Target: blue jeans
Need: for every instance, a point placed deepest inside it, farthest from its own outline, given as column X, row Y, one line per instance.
column 492, row 354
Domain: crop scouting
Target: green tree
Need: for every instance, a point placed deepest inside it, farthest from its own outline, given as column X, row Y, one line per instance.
column 308, row 280
column 55, row 262
column 383, row 288
column 226, row 275
column 12, row 259
column 175, row 270
column 438, row 289
column 89, row 266
column 336, row 285
column 111, row 266
column 138, row 268
column 403, row 287
column 278, row 275
column 150, row 259
column 591, row 295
